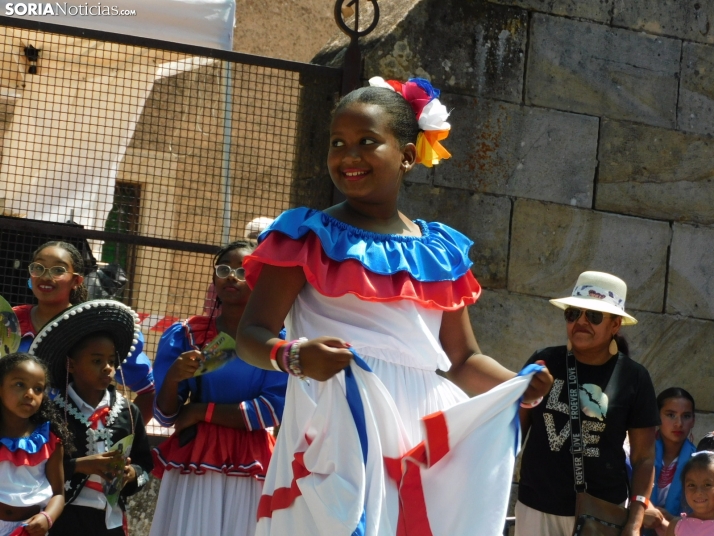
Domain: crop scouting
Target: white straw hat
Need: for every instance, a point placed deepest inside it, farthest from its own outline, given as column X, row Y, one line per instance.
column 598, row 291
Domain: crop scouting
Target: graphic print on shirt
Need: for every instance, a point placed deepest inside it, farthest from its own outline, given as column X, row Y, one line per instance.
column 593, row 403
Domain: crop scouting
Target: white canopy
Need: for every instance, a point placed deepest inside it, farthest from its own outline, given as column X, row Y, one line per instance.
column 206, row 23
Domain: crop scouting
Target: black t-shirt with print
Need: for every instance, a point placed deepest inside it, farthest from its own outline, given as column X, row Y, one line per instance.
column 547, row 482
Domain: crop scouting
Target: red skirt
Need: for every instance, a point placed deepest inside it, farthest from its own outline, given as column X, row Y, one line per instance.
column 216, row 448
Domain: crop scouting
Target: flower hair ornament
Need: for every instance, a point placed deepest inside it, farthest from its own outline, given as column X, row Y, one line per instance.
column 430, row 113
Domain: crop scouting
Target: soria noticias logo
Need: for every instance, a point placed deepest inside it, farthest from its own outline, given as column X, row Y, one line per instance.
column 63, row 8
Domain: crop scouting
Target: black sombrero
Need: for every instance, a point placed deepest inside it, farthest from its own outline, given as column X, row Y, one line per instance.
column 63, row 332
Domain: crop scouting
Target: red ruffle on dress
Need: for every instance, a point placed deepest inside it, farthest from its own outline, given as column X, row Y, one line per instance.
column 219, row 449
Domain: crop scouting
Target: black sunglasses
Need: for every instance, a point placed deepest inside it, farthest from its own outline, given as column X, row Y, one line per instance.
column 573, row 313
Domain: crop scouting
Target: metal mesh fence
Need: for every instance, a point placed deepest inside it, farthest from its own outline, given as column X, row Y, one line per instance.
column 149, row 156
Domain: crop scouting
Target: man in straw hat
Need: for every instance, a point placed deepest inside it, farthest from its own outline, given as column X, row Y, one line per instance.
column 615, row 397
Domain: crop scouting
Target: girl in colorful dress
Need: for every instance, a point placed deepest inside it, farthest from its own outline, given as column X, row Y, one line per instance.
column 82, row 348
column 673, row 450
column 57, row 281
column 698, row 484
column 31, row 438
column 213, row 466
column 362, row 278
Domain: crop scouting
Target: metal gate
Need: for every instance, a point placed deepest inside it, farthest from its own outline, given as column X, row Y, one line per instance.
column 150, row 155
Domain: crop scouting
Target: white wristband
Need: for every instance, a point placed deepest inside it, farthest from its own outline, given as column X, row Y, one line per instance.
column 641, row 499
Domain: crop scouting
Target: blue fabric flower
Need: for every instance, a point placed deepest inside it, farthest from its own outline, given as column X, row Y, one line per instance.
column 426, row 86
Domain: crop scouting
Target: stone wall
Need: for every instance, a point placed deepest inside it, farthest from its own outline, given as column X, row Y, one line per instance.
column 581, row 140
column 287, row 29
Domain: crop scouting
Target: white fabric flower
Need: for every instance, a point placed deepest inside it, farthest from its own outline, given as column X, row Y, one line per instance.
column 378, row 81
column 434, row 116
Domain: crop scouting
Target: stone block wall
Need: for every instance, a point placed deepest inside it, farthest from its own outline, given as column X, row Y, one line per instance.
column 581, row 139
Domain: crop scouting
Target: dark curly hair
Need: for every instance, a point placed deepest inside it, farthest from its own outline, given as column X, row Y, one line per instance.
column 403, row 121
column 78, row 295
column 47, row 411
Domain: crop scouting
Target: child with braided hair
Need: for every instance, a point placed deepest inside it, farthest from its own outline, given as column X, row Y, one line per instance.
column 363, row 289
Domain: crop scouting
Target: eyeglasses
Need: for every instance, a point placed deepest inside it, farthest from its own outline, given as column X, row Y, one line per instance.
column 38, row 270
column 223, row 271
column 573, row 313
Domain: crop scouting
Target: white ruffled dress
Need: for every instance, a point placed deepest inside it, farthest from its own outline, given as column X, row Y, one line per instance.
column 340, row 464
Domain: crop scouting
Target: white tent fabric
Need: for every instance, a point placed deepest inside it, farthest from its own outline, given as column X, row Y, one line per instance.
column 207, row 23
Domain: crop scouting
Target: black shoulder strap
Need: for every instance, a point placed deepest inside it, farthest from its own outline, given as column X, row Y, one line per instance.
column 576, row 435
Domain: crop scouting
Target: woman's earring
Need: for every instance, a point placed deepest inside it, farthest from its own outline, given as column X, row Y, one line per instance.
column 613, row 347
column 569, row 345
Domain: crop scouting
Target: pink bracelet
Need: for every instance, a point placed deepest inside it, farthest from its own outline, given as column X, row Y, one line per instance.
column 533, row 404
column 47, row 516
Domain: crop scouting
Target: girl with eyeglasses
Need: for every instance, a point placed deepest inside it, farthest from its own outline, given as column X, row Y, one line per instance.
column 615, row 398
column 213, row 466
column 57, row 281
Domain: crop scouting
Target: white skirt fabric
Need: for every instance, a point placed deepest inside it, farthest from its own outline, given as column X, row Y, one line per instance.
column 344, row 465
column 211, row 503
column 7, row 527
column 416, row 393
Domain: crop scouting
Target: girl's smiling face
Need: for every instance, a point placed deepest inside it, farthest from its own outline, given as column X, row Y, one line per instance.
column 49, row 289
column 699, row 491
column 677, row 419
column 365, row 160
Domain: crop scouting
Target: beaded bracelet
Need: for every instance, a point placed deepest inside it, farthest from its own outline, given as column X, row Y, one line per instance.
column 49, row 519
column 294, row 361
column 531, row 405
column 274, row 354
